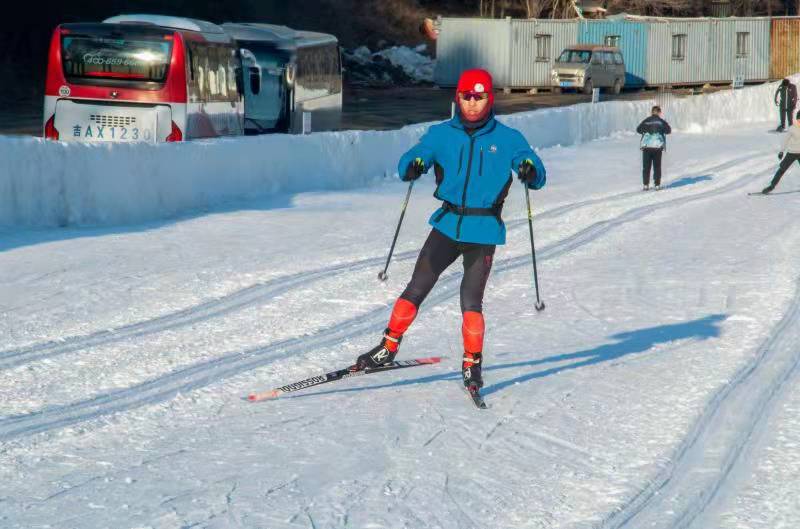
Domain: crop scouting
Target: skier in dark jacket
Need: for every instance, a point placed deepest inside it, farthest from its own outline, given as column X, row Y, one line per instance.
column 786, row 100
column 654, row 132
column 473, row 156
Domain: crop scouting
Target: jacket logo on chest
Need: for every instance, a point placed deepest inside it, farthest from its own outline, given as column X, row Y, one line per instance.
column 493, row 149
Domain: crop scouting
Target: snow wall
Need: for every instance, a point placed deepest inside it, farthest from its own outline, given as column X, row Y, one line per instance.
column 46, row 183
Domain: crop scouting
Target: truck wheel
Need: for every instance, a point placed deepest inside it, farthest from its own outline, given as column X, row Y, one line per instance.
column 617, row 86
column 588, row 86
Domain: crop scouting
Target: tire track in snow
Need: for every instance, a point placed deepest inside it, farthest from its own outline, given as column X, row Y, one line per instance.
column 261, row 293
column 679, row 496
column 205, row 373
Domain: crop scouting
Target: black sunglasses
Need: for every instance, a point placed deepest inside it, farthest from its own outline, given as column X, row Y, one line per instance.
column 468, row 96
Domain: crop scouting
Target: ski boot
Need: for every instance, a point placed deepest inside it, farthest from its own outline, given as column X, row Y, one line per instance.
column 471, row 371
column 645, row 188
column 381, row 354
column 658, row 187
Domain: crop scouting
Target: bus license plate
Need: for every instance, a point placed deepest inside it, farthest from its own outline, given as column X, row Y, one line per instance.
column 107, row 133
column 565, row 83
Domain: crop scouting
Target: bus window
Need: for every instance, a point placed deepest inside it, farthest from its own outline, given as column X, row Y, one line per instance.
column 232, row 90
column 335, row 72
column 213, row 89
column 88, row 59
column 219, row 72
column 255, row 81
column 222, row 76
column 190, row 64
column 198, row 89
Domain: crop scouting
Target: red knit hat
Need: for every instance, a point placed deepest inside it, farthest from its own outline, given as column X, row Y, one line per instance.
column 478, row 81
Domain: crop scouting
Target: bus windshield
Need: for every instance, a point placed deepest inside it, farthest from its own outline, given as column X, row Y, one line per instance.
column 116, row 57
column 269, row 57
column 579, row 56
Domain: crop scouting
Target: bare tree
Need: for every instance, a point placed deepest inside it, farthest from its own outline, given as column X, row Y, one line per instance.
column 749, row 8
column 652, row 7
column 674, row 8
column 534, row 8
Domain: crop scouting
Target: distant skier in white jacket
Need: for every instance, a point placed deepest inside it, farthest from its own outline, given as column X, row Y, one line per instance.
column 790, row 153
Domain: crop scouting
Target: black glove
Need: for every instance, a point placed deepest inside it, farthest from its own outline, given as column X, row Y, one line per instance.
column 526, row 172
column 414, row 170
column 780, row 156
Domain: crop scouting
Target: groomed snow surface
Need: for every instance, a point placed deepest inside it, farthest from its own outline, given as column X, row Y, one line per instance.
column 659, row 389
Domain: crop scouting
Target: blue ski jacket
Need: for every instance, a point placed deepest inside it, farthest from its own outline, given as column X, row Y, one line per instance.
column 473, row 176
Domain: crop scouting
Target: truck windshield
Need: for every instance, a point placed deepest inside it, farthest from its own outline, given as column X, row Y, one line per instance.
column 580, row 56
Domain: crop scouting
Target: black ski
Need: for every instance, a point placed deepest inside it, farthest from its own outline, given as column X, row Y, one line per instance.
column 775, row 193
column 475, row 394
column 339, row 375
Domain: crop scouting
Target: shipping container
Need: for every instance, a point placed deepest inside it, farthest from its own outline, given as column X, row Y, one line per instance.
column 657, row 51
column 677, row 52
column 535, row 46
column 785, row 47
column 466, row 43
column 705, row 50
column 740, row 48
column 627, row 35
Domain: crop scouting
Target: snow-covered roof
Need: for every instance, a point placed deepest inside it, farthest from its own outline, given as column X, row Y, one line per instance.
column 646, row 18
column 280, row 35
column 190, row 24
column 271, row 32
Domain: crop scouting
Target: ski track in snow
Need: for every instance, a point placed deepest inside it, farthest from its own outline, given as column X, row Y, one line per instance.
column 683, row 494
column 205, row 373
column 261, row 293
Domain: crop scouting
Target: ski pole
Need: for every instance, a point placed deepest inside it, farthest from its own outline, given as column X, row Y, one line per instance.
column 382, row 275
column 539, row 304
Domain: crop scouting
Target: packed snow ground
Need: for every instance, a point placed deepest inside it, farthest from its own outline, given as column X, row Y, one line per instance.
column 658, row 388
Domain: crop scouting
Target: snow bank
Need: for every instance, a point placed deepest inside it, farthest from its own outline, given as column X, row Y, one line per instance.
column 389, row 67
column 412, row 61
column 44, row 183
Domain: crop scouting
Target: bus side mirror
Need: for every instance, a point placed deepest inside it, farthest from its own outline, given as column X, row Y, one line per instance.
column 255, row 80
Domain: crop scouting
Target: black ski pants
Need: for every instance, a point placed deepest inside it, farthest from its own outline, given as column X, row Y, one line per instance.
column 787, row 115
column 788, row 159
column 651, row 157
column 439, row 252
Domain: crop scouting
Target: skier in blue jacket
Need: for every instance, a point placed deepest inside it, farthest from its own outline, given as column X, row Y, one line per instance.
column 473, row 156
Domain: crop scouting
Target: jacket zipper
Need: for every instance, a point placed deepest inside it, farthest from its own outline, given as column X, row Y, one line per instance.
column 466, row 183
column 480, row 169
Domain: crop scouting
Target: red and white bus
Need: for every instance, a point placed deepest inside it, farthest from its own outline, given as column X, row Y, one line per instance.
column 142, row 78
